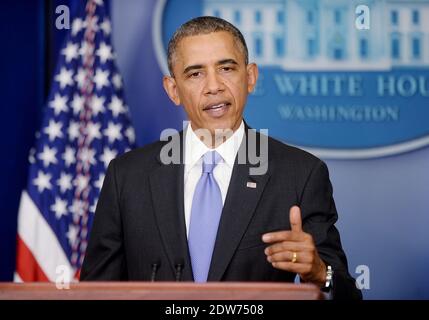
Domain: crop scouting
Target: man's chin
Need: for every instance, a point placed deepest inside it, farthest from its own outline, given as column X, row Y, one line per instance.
column 220, row 129
column 224, row 124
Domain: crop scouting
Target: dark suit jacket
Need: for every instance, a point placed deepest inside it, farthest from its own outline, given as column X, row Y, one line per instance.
column 139, row 220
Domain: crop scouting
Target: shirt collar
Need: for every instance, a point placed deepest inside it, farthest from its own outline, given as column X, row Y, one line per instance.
column 195, row 149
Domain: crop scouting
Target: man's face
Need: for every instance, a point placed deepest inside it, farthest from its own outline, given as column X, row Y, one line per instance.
column 211, row 80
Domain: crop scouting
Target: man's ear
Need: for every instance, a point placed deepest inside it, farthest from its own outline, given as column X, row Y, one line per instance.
column 252, row 76
column 170, row 87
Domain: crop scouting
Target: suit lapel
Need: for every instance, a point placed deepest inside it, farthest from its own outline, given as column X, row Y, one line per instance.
column 239, row 207
column 166, row 183
column 167, row 189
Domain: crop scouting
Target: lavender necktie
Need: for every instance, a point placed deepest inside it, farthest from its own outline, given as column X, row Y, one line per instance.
column 205, row 215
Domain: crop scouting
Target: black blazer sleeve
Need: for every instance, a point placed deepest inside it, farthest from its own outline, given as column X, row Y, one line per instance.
column 319, row 215
column 105, row 258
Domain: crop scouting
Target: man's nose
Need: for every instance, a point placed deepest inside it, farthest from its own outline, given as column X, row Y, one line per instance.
column 214, row 83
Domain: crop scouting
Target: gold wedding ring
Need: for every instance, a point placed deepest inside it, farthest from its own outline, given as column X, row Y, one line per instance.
column 294, row 257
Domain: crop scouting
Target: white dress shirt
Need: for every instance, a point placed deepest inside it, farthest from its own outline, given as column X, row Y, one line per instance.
column 194, row 150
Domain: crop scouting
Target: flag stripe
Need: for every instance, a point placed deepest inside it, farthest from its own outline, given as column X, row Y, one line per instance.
column 16, row 277
column 39, row 238
column 27, row 267
column 85, row 125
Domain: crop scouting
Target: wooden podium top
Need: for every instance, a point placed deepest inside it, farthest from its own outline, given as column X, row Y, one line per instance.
column 160, row 291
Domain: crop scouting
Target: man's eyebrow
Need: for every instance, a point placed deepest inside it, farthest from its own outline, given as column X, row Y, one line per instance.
column 193, row 67
column 219, row 63
column 227, row 61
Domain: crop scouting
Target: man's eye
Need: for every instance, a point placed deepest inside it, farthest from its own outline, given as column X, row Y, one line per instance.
column 195, row 74
column 227, row 69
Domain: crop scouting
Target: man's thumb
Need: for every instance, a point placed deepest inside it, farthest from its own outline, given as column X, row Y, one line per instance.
column 295, row 218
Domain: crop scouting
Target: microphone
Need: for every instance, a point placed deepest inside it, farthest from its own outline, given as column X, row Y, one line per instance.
column 155, row 267
column 179, row 269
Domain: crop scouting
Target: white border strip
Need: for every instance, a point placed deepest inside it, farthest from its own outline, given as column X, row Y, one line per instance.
column 339, row 154
column 157, row 36
column 39, row 238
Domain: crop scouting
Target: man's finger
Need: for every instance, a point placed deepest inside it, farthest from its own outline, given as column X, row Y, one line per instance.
column 295, row 219
column 279, row 236
column 287, row 256
column 288, row 246
column 291, row 267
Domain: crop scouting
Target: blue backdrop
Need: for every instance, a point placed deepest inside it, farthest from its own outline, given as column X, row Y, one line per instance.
column 382, row 201
column 22, row 89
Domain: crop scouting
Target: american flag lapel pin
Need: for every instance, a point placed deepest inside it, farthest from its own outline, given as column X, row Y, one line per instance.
column 251, row 184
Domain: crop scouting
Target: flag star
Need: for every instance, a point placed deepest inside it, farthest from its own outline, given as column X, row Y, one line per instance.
column 65, row 77
column 73, row 130
column 83, row 234
column 101, row 78
column 93, row 131
column 74, row 255
column 107, row 156
column 117, row 81
column 99, row 182
column 82, row 247
column 130, row 134
column 104, row 52
column 113, row 132
column 106, row 26
column 77, row 26
column 94, row 206
column 69, row 156
column 60, row 207
column 81, row 182
column 83, row 244
column 87, row 156
column 77, row 207
column 31, row 156
column 71, row 51
column 72, row 234
column 53, row 130
column 43, row 181
column 80, row 77
column 77, row 103
column 59, row 104
column 64, row 182
column 48, row 156
column 92, row 23
column 97, row 104
column 86, row 49
column 116, row 106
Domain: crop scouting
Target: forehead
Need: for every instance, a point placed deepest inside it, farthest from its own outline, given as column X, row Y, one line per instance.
column 207, row 48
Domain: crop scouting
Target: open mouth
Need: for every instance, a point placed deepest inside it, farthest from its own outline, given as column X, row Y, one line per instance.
column 217, row 106
column 217, row 110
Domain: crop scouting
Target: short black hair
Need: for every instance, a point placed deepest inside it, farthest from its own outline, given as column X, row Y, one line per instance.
column 200, row 26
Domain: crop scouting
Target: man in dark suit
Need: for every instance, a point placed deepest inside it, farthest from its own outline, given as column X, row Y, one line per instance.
column 192, row 209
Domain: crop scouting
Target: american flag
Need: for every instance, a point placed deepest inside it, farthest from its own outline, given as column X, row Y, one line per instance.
column 85, row 125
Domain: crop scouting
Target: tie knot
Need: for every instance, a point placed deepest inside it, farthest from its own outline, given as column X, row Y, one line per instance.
column 210, row 160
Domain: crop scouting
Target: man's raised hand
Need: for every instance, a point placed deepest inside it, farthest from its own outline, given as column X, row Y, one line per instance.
column 294, row 251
